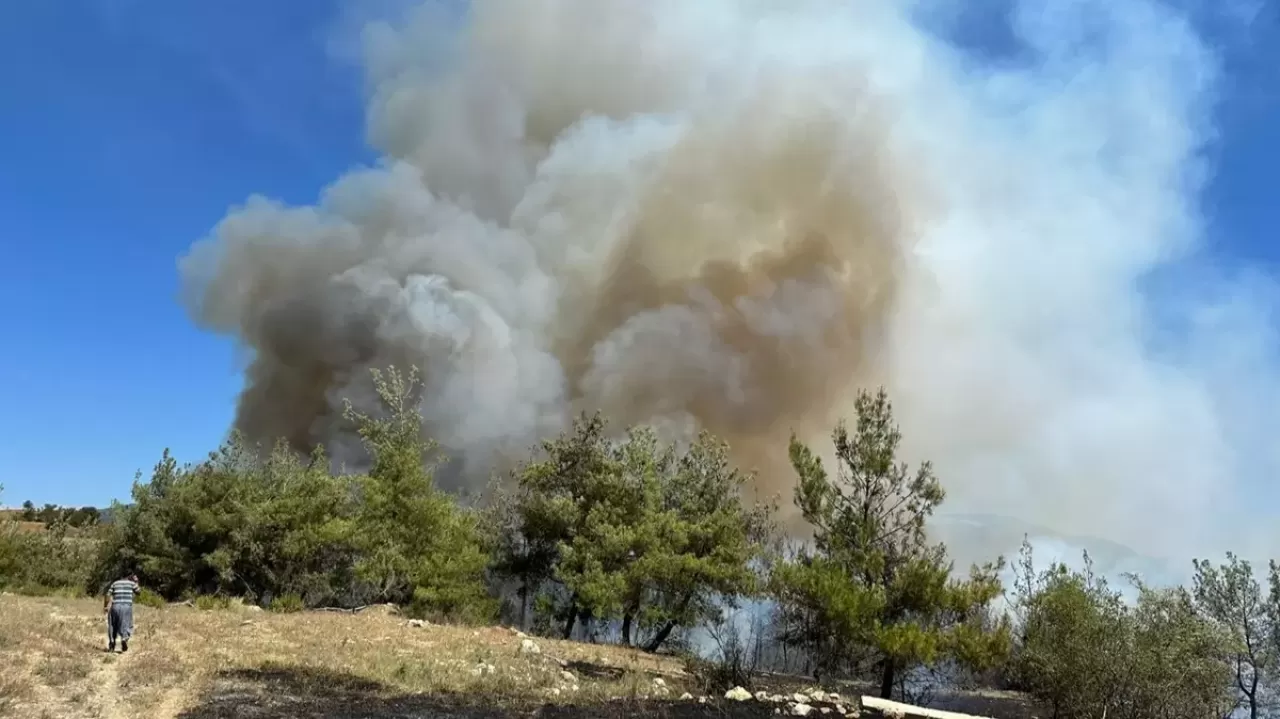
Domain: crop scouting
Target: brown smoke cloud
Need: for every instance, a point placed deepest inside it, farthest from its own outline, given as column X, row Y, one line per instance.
column 732, row 214
column 732, row 269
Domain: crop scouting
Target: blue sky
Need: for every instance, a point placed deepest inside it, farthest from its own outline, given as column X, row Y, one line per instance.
column 127, row 129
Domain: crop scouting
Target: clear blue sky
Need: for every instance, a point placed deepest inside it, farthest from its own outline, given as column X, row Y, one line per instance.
column 127, row 128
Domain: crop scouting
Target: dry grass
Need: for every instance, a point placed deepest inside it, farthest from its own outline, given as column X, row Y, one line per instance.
column 192, row 663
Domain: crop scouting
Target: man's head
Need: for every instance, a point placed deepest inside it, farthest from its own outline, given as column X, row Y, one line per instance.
column 133, row 576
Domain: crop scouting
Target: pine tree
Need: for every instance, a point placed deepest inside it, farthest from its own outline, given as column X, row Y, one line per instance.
column 872, row 589
column 415, row 545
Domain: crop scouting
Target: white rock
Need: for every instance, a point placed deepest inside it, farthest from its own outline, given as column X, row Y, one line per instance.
column 686, row 697
column 568, row 676
column 737, row 694
column 833, row 698
column 799, row 698
column 528, row 646
column 762, row 696
column 702, row 700
column 658, row 682
column 825, row 710
column 419, row 623
column 801, row 710
column 818, row 695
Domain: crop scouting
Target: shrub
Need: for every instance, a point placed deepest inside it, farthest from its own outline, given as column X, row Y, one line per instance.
column 45, row 562
column 287, row 604
column 212, row 602
column 148, row 598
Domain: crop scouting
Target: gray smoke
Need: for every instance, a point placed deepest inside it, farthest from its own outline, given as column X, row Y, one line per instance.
column 733, row 214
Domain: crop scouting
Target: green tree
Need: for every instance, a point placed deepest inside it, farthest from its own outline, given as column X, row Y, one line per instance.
column 415, row 545
column 1231, row 597
column 634, row 530
column 680, row 545
column 873, row 589
column 555, row 497
column 29, row 511
column 48, row 514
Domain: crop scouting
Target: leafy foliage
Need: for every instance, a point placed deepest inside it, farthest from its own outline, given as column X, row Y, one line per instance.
column 54, row 560
column 261, row 525
column 632, row 531
column 238, row 524
column 149, row 598
column 1230, row 596
column 872, row 591
column 287, row 604
column 1085, row 652
column 643, row 540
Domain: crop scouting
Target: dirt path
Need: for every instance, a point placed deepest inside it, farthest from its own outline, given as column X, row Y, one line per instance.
column 106, row 688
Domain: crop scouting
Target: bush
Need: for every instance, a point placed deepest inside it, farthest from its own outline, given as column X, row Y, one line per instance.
column 240, row 524
column 254, row 524
column 287, row 604
column 1084, row 652
column 212, row 602
column 148, row 598
column 45, row 562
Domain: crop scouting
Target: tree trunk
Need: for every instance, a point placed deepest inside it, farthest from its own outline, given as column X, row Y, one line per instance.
column 887, row 673
column 660, row 637
column 573, row 616
column 1253, row 693
column 626, row 629
column 666, row 629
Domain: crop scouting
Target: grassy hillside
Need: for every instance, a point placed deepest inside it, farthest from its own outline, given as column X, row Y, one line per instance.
column 194, row 664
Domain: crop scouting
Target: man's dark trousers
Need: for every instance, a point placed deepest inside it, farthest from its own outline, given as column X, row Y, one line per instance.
column 119, row 625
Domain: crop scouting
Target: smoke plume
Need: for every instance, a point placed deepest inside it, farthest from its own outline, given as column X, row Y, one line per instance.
column 732, row 214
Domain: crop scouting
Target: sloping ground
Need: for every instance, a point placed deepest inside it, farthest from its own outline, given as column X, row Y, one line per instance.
column 191, row 664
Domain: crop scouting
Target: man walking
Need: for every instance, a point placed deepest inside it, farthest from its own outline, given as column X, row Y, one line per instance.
column 118, row 606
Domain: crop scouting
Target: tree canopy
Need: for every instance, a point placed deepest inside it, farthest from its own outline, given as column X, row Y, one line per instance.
column 872, row 589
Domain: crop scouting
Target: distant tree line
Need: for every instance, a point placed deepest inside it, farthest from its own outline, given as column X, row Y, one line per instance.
column 49, row 514
column 622, row 537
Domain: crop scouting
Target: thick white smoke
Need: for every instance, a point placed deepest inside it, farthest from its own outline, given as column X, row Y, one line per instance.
column 734, row 213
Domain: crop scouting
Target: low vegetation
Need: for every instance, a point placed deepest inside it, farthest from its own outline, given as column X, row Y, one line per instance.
column 654, row 556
